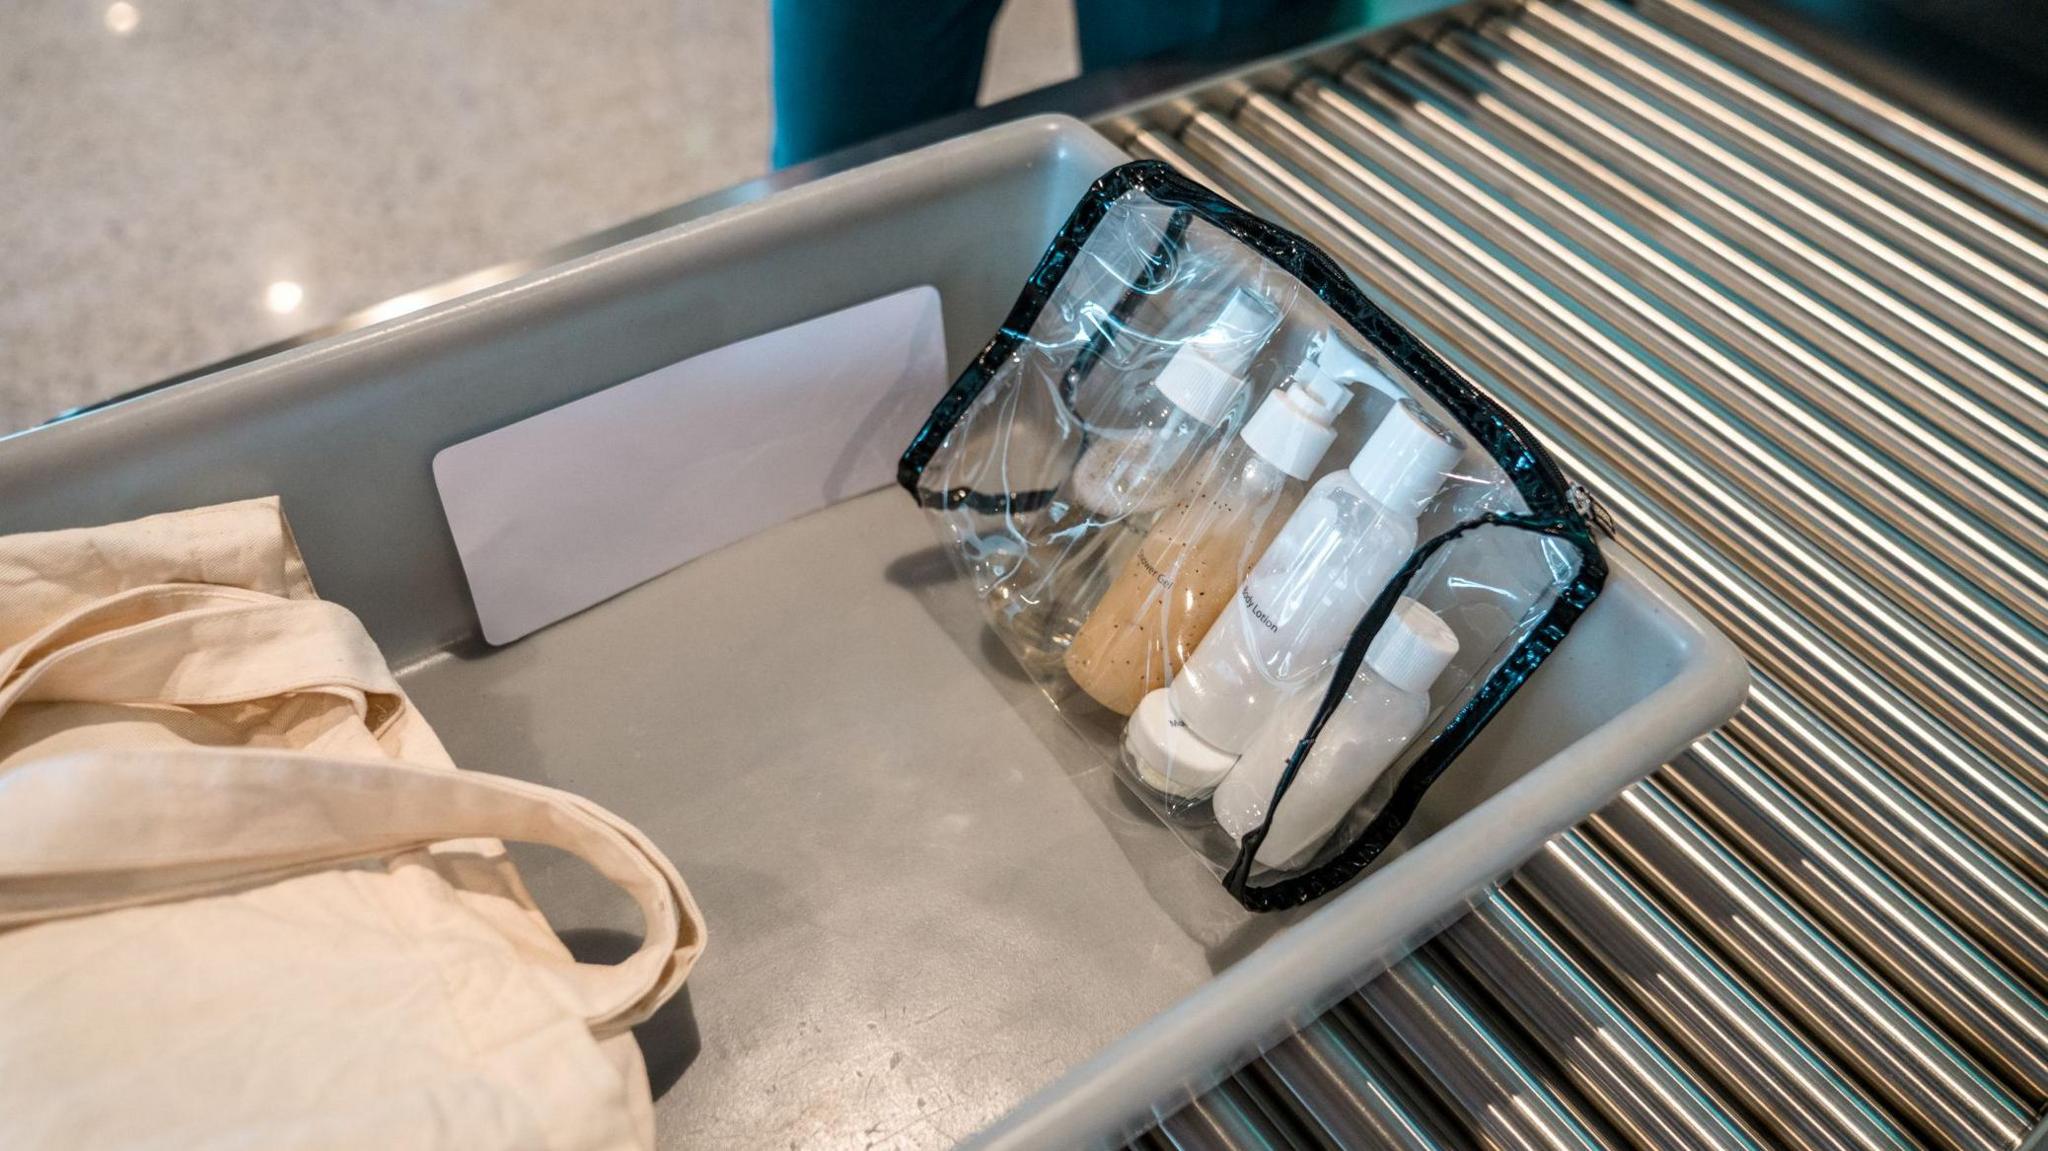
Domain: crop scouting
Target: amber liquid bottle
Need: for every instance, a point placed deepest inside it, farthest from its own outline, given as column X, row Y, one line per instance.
column 1126, row 475
column 1182, row 576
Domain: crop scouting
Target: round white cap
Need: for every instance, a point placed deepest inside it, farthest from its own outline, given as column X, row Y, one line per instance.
column 1413, row 648
column 1405, row 460
column 1297, row 424
column 1205, row 375
column 1168, row 757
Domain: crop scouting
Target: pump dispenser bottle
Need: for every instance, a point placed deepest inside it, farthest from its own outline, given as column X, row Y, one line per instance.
column 1125, row 475
column 1292, row 614
column 1383, row 709
column 1181, row 577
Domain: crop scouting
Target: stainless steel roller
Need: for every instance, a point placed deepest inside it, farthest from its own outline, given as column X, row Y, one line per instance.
column 1792, row 337
column 1938, row 228
column 1898, row 933
column 1980, row 312
column 1972, row 483
column 1949, row 866
column 2000, row 806
column 2013, row 390
column 1356, row 1091
column 1513, row 1098
column 1865, row 542
column 1905, row 369
column 1780, row 636
column 1950, row 497
column 1753, row 1050
column 1229, row 1118
column 1694, row 300
column 2021, row 193
column 1615, row 1059
column 1724, row 87
column 1906, row 1061
column 1683, row 427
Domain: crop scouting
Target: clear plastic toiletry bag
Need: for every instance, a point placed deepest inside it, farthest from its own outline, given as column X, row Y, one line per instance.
column 1268, row 552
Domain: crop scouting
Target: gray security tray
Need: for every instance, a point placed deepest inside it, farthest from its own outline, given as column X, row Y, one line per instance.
column 925, row 901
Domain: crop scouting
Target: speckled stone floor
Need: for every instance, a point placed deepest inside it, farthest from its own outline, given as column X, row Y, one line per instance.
column 183, row 180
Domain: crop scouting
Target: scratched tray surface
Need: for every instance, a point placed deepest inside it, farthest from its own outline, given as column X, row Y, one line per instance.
column 916, row 917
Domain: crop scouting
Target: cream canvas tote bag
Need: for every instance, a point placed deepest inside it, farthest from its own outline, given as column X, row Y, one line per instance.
column 247, row 901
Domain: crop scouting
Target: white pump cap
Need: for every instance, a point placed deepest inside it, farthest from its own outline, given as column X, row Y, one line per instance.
column 1168, row 757
column 1413, row 647
column 1406, row 459
column 1340, row 361
column 1295, row 425
column 1205, row 375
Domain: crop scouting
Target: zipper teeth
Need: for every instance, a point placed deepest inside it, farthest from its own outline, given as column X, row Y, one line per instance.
column 1160, row 174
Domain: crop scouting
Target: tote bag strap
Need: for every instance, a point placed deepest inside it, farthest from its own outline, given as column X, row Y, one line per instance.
column 97, row 831
column 195, row 645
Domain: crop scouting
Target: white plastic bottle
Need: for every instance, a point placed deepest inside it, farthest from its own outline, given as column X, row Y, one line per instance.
column 1123, row 478
column 1296, row 608
column 1292, row 614
column 1383, row 709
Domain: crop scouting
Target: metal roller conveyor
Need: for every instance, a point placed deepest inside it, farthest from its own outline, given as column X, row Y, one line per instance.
column 1976, row 308
column 1229, row 1117
column 1477, row 1061
column 1680, row 422
column 1952, row 502
column 1997, row 805
column 1981, row 226
column 1678, row 431
column 1969, row 479
column 1615, row 1059
column 1782, row 636
column 1356, row 1091
column 1884, row 121
column 1793, row 336
column 1940, row 229
column 1899, row 934
column 1947, row 864
column 1753, row 1050
column 1909, row 1063
column 1901, row 369
column 2013, row 390
column 1691, row 298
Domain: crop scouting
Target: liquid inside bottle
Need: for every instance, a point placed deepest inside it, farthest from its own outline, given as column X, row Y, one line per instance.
column 1135, row 460
column 1384, row 707
column 1296, row 609
column 1182, row 576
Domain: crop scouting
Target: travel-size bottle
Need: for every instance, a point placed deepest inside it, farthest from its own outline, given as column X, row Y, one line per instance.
column 1182, row 576
column 1293, row 613
column 1385, row 706
column 1127, row 472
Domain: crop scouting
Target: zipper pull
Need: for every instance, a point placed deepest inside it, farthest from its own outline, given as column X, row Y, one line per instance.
column 1582, row 502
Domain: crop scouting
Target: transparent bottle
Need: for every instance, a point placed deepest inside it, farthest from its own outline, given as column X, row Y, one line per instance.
column 1129, row 470
column 1182, row 575
column 1384, row 708
column 1294, row 612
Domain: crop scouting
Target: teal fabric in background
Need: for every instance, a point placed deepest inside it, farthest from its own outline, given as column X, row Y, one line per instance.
column 846, row 71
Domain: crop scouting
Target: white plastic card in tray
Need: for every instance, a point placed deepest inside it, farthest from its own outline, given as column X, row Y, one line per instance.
column 573, row 506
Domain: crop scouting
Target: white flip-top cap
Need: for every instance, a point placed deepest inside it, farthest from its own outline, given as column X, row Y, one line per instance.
column 1205, row 375
column 1405, row 461
column 1295, row 425
column 1167, row 756
column 1412, row 648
